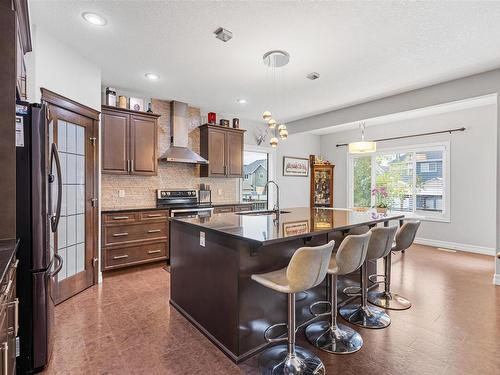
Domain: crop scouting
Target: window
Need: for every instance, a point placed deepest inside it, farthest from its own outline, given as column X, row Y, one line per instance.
column 415, row 179
column 255, row 165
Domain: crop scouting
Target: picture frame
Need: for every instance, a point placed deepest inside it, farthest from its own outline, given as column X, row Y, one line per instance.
column 137, row 104
column 296, row 167
column 295, row 228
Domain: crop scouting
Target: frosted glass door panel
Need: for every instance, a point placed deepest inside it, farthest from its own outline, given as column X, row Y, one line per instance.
column 71, row 231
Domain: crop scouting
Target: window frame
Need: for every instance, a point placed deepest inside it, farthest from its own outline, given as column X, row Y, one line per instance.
column 443, row 146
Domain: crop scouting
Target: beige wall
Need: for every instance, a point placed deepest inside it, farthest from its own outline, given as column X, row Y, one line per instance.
column 140, row 190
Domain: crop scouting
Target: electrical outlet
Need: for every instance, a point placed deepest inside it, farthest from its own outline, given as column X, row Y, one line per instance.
column 202, row 239
column 121, row 193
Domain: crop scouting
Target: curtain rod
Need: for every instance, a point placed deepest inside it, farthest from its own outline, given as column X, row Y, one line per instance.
column 410, row 136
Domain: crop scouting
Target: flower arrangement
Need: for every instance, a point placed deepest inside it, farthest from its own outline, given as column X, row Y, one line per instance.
column 382, row 200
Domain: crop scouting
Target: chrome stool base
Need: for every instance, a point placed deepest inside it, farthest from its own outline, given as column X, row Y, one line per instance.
column 277, row 361
column 367, row 317
column 388, row 300
column 342, row 340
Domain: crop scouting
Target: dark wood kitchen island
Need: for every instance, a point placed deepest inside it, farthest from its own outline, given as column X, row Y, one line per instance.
column 212, row 260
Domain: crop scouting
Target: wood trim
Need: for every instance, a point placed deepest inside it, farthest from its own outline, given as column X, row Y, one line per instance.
column 224, row 128
column 68, row 104
column 131, row 111
column 23, row 19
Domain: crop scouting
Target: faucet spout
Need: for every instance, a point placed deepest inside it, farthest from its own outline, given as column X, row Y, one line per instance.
column 276, row 207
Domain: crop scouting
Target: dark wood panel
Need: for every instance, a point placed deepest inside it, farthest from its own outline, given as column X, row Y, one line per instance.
column 223, row 209
column 115, row 142
column 217, row 152
column 234, row 146
column 143, row 141
column 243, row 207
column 130, row 233
column 133, row 255
column 120, row 218
column 153, row 215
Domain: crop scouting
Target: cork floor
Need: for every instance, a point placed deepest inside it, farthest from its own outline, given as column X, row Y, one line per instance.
column 126, row 326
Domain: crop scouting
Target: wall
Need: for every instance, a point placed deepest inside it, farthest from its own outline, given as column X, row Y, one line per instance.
column 472, row 153
column 170, row 175
column 55, row 66
column 295, row 190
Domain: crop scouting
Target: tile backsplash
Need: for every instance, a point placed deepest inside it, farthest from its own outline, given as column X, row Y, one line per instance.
column 140, row 191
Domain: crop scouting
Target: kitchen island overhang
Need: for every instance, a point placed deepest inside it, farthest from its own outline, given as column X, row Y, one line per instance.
column 213, row 258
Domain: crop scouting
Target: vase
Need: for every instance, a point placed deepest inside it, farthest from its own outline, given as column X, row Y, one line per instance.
column 381, row 210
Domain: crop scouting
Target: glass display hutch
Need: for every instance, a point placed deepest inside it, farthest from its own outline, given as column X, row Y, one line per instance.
column 321, row 183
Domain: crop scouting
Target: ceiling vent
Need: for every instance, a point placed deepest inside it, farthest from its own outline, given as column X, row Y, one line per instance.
column 312, row 76
column 223, row 34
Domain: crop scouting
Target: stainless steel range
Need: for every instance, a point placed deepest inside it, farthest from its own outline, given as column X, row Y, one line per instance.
column 182, row 203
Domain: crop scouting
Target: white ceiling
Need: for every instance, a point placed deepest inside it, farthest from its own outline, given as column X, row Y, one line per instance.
column 363, row 50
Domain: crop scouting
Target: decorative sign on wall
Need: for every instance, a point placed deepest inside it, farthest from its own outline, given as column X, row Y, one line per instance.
column 295, row 166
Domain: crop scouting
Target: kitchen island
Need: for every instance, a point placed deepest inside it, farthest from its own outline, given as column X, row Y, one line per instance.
column 212, row 260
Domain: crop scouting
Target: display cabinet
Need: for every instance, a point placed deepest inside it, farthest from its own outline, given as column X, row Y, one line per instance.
column 321, row 184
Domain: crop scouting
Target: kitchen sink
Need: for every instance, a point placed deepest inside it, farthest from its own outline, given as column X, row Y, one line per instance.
column 260, row 213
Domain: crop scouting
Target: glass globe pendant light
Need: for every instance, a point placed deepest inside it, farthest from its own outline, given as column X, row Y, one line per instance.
column 273, row 142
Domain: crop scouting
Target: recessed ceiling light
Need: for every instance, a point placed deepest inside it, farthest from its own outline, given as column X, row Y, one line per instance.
column 152, row 76
column 94, row 19
column 241, row 101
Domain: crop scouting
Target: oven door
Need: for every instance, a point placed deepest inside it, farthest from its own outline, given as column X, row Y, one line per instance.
column 191, row 212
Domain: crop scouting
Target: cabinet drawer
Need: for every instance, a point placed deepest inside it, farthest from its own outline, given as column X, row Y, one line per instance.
column 243, row 207
column 115, row 258
column 120, row 217
column 223, row 209
column 153, row 215
column 121, row 234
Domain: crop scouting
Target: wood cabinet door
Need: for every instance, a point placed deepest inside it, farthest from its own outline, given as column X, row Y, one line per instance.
column 234, row 147
column 143, row 145
column 115, row 142
column 217, row 152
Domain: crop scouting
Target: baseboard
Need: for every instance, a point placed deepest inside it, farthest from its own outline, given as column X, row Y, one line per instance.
column 456, row 246
column 496, row 279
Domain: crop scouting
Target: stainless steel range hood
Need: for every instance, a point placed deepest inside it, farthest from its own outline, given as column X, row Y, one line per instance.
column 178, row 150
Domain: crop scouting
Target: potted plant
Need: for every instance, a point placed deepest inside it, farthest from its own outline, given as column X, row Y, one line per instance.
column 382, row 200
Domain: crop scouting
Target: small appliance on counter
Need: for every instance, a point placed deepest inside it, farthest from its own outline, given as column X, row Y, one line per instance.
column 182, row 203
column 205, row 195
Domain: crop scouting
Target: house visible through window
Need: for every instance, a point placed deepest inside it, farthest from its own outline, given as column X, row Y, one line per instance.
column 415, row 179
column 255, row 171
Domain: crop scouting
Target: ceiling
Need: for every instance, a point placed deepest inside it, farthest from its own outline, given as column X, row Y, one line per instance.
column 363, row 50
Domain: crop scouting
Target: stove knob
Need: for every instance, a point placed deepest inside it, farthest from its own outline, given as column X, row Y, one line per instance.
column 168, row 193
column 162, row 193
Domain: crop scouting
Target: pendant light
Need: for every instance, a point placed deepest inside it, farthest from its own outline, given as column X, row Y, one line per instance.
column 362, row 147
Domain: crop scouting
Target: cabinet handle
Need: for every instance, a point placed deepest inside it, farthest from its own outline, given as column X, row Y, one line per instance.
column 120, row 217
column 5, row 355
column 154, row 230
column 120, row 256
column 132, row 165
column 16, row 316
column 128, row 165
column 154, row 251
column 154, row 215
column 120, row 234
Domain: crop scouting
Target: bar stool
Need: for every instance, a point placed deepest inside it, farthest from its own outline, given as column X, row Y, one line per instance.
column 307, row 268
column 386, row 299
column 363, row 315
column 329, row 335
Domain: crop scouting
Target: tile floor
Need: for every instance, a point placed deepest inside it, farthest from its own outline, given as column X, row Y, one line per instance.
column 126, row 326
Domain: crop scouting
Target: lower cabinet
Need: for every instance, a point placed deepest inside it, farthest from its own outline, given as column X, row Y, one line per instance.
column 232, row 208
column 9, row 319
column 134, row 237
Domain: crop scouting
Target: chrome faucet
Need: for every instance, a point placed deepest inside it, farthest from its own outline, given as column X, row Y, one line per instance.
column 276, row 207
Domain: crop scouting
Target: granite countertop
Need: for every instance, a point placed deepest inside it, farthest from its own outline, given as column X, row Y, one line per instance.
column 8, row 250
column 293, row 223
column 128, row 209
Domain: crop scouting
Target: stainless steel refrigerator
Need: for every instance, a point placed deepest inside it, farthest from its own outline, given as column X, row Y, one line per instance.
column 38, row 198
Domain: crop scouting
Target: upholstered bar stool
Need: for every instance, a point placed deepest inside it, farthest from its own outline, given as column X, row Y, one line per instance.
column 307, row 268
column 363, row 315
column 386, row 299
column 331, row 336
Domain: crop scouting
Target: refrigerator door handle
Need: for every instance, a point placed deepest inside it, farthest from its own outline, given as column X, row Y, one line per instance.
column 59, row 266
column 54, row 220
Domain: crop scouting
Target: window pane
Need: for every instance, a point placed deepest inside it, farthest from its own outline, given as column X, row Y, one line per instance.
column 255, row 178
column 429, row 181
column 362, row 181
column 394, row 172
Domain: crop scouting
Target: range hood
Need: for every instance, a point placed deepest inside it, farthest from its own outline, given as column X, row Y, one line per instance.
column 178, row 150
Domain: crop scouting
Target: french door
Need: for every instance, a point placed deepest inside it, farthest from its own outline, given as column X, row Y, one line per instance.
column 72, row 154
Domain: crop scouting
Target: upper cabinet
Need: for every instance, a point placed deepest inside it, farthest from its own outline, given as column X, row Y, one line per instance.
column 223, row 148
column 129, row 141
